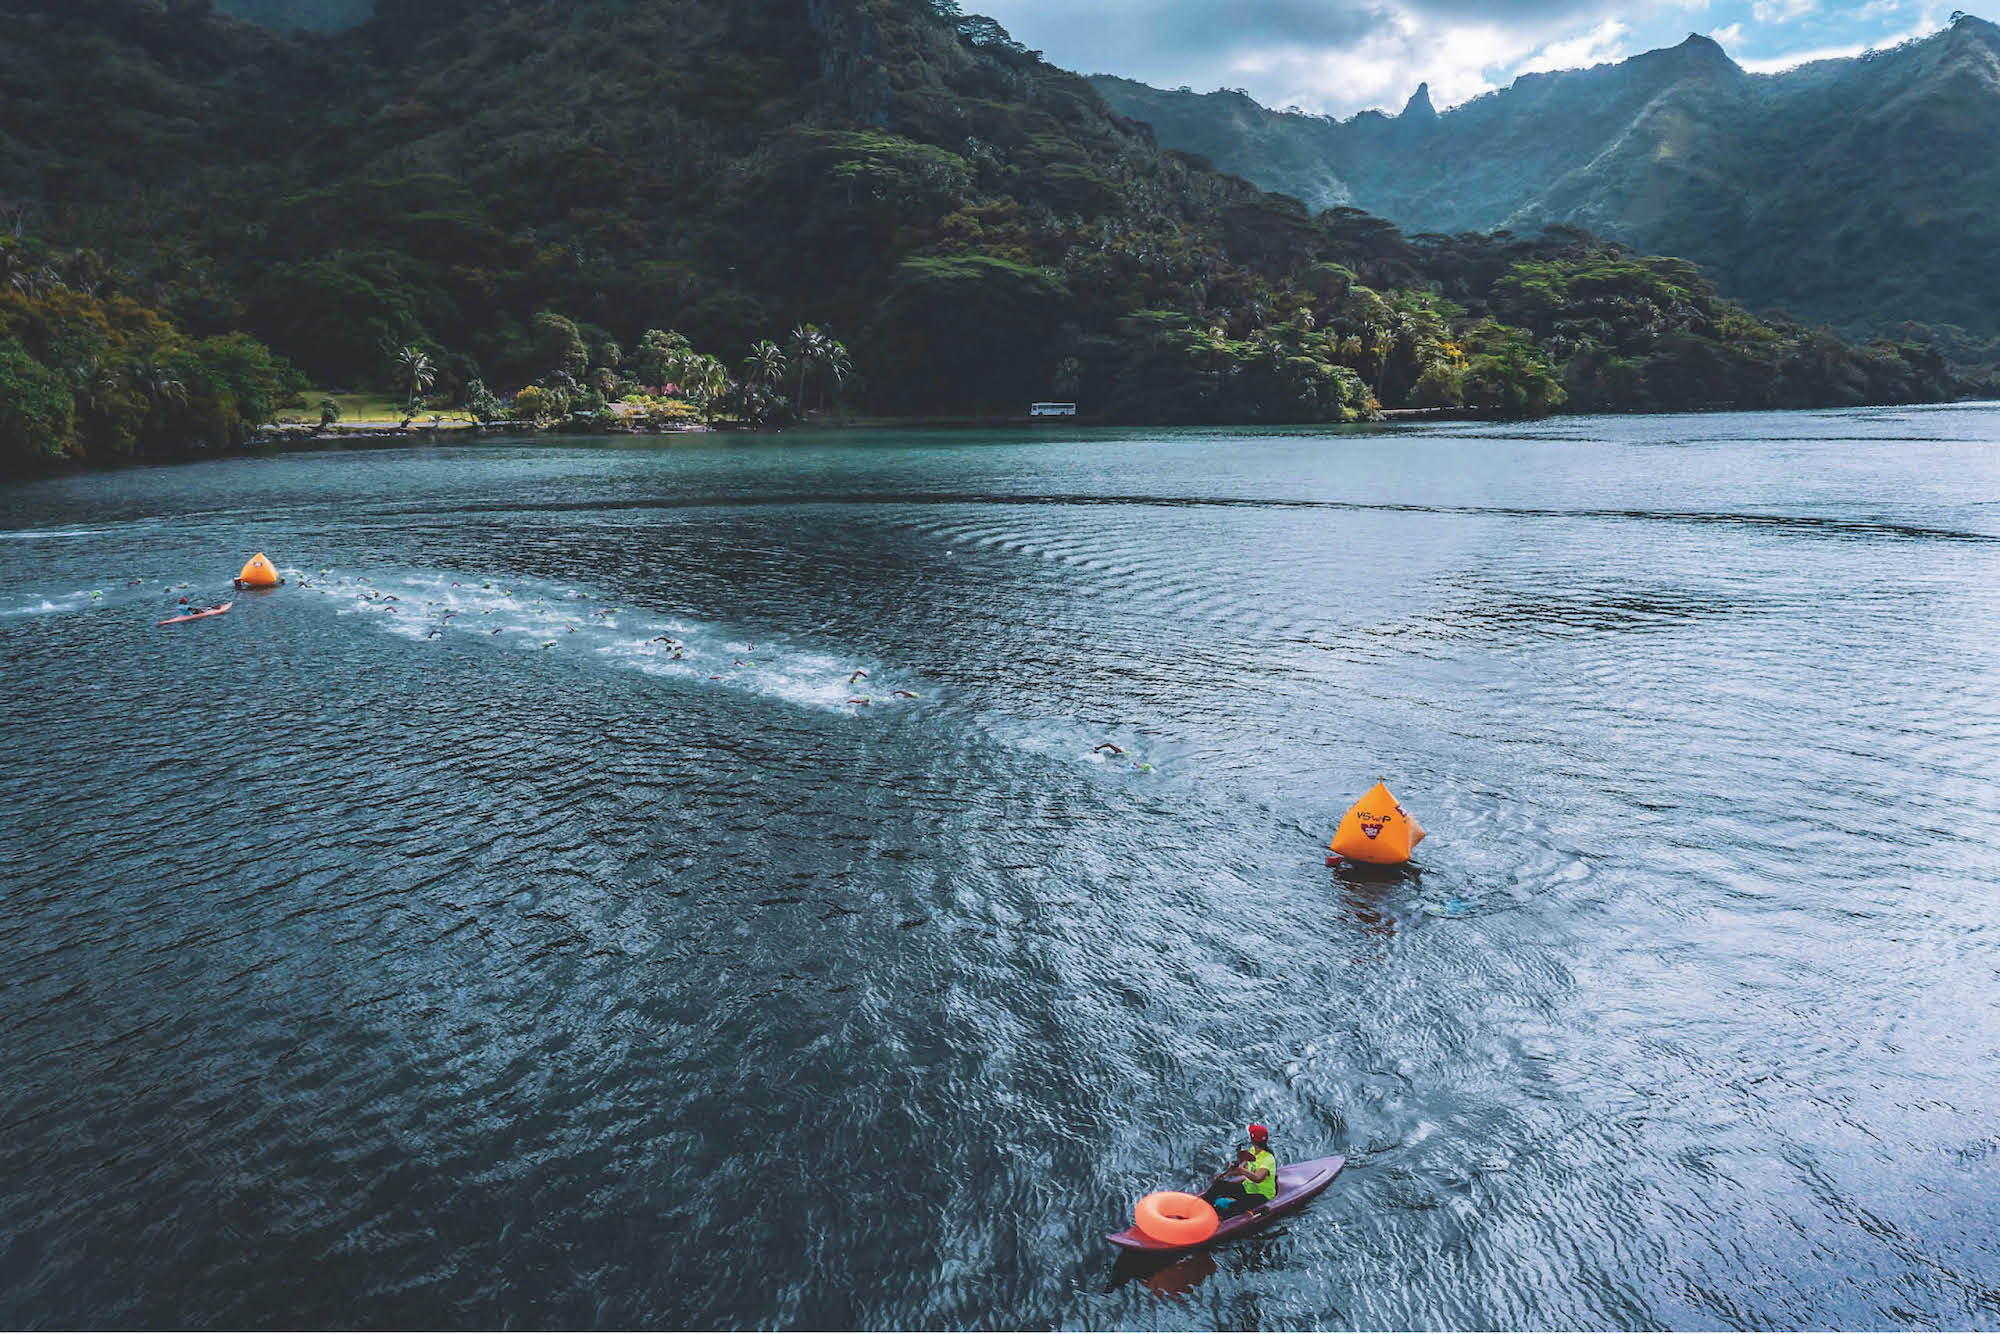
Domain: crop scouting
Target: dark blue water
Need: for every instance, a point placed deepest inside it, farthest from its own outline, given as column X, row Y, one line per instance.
column 361, row 966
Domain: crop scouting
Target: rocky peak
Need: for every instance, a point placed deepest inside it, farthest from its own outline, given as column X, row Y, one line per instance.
column 1419, row 107
column 1697, row 57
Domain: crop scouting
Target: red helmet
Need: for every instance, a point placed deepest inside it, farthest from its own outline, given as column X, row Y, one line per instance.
column 1258, row 1134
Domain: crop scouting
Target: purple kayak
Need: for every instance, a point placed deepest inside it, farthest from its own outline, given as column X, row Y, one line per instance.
column 1297, row 1183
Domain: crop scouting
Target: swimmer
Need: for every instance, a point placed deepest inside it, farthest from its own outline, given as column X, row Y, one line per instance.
column 1107, row 748
column 433, row 634
column 548, row 643
column 906, row 694
column 859, row 699
column 858, row 676
column 496, row 632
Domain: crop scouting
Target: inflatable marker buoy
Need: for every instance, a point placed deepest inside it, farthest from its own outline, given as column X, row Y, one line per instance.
column 1377, row 830
column 259, row 573
column 1175, row 1218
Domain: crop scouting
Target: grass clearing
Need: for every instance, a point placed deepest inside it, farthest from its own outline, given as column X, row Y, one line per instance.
column 372, row 410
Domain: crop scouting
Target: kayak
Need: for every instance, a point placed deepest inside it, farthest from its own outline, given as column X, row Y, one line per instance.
column 1297, row 1183
column 199, row 615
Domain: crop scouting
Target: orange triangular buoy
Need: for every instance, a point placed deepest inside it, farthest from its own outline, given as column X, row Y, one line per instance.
column 1377, row 829
column 259, row 573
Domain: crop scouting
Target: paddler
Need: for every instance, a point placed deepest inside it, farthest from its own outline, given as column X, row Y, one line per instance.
column 1251, row 1182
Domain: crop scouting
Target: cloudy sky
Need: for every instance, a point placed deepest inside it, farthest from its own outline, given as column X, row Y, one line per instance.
column 1340, row 56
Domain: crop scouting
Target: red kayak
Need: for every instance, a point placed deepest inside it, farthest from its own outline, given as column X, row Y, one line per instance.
column 199, row 615
column 1297, row 1183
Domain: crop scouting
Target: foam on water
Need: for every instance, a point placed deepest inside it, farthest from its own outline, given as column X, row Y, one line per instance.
column 536, row 616
column 120, row 594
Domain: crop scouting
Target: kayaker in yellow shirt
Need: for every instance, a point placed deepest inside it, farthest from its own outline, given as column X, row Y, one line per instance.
column 1251, row 1182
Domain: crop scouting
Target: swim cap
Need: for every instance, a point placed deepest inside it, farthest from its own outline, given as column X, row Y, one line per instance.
column 1259, row 1133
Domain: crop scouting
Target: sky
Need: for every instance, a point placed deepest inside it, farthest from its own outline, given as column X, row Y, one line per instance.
column 1336, row 57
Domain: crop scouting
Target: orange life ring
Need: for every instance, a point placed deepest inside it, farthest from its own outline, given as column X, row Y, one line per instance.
column 1176, row 1218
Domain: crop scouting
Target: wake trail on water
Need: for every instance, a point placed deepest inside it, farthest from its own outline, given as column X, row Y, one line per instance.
column 537, row 616
column 122, row 593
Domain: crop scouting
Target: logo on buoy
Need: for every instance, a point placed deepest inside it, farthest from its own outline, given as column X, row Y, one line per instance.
column 1370, row 833
column 259, row 573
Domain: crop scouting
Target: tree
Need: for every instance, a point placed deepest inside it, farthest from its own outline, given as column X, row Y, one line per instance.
column 559, row 347
column 1068, row 379
column 159, row 382
column 481, row 404
column 704, row 381
column 37, row 414
column 765, row 366
column 659, row 354
column 809, row 349
column 414, row 375
column 837, row 364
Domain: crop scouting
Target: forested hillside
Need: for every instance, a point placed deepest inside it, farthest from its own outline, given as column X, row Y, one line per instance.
column 314, row 15
column 1863, row 192
column 536, row 192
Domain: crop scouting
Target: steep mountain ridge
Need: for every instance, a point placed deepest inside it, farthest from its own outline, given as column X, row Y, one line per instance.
column 1856, row 191
column 522, row 190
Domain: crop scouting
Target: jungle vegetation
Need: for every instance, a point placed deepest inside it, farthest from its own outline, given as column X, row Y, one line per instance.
column 563, row 208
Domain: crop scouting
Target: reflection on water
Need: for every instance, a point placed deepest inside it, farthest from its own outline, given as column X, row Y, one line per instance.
column 763, row 899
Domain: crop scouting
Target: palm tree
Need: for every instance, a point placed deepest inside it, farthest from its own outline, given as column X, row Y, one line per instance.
column 157, row 382
column 92, row 383
column 838, row 365
column 808, row 350
column 706, row 382
column 765, row 366
column 415, row 374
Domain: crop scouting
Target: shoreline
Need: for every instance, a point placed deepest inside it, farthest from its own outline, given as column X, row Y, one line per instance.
column 288, row 437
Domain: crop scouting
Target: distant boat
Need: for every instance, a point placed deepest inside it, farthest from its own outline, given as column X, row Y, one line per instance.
column 1052, row 409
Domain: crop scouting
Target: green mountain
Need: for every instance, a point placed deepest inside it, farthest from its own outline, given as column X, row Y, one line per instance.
column 1863, row 192
column 579, row 194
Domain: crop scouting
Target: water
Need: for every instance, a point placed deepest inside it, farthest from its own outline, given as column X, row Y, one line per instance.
column 361, row 966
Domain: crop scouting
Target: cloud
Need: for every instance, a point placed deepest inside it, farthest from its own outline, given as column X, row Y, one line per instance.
column 1782, row 11
column 1334, row 56
column 1603, row 43
column 1342, row 56
column 1843, row 51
